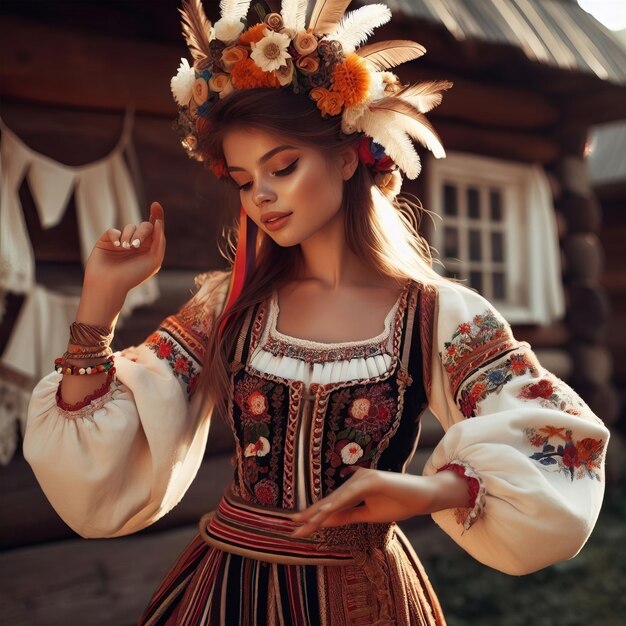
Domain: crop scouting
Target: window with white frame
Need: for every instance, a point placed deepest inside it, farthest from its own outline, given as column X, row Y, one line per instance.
column 497, row 233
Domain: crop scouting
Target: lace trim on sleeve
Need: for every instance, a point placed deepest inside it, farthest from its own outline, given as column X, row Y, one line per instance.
column 466, row 516
column 89, row 405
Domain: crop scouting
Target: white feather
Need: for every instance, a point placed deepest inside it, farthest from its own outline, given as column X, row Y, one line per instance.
column 294, row 13
column 424, row 134
column 234, row 9
column 379, row 125
column 426, row 95
column 424, row 103
column 355, row 27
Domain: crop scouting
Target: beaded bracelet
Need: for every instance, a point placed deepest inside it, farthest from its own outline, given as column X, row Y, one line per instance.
column 76, row 370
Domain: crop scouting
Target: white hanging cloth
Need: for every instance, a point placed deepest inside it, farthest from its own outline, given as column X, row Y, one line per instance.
column 105, row 197
column 39, row 335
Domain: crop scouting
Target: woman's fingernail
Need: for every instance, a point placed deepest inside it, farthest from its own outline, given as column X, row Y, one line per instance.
column 117, row 243
column 136, row 243
column 125, row 244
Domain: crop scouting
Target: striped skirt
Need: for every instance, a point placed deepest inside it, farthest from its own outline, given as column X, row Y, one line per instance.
column 243, row 569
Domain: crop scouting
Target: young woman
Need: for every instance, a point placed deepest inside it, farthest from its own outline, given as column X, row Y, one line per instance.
column 322, row 347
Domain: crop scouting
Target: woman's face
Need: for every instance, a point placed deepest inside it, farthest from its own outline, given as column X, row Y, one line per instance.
column 290, row 191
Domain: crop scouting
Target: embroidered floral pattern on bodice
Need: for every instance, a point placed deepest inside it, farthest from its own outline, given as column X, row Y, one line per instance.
column 259, row 412
column 358, row 417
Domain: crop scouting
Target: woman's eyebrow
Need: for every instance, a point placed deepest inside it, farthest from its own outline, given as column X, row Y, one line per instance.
column 265, row 157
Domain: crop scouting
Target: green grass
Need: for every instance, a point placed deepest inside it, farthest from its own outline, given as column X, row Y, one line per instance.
column 589, row 590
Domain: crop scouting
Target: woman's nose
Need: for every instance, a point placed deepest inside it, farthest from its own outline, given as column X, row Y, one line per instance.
column 263, row 195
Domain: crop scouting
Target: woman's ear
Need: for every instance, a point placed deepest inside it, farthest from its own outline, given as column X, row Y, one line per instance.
column 349, row 162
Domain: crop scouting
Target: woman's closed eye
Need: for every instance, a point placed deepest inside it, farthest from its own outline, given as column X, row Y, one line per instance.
column 284, row 172
column 287, row 170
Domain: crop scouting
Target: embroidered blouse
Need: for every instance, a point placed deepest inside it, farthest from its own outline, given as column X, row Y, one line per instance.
column 533, row 446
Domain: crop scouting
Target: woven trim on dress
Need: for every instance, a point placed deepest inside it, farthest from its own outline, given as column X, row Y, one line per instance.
column 428, row 306
column 279, row 344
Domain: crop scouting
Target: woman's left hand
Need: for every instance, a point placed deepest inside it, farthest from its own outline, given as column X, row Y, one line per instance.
column 370, row 496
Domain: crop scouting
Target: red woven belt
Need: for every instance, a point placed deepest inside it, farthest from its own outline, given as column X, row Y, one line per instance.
column 264, row 533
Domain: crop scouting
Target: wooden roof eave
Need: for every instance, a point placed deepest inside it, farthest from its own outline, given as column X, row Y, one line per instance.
column 582, row 99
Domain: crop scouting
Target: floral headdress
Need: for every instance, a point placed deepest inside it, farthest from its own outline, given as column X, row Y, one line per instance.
column 322, row 61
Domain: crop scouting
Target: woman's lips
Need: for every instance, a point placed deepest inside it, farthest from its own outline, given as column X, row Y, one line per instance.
column 275, row 220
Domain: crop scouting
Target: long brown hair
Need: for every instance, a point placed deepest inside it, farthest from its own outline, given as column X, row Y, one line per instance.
column 380, row 230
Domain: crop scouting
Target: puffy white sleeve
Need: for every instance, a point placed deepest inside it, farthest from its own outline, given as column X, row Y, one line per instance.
column 532, row 449
column 125, row 459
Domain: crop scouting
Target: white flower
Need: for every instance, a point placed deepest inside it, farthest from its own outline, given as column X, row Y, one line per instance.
column 227, row 30
column 351, row 453
column 271, row 52
column 260, row 448
column 182, row 84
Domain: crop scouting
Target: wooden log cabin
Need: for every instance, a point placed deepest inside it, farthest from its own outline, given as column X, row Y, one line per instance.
column 528, row 86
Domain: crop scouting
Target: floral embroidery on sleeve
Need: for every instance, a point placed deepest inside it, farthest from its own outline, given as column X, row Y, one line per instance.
column 473, row 344
column 493, row 379
column 554, row 394
column 577, row 459
column 185, row 368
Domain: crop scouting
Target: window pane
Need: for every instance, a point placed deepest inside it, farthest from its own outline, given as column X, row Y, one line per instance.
column 473, row 203
column 450, row 242
column 475, row 249
column 499, row 286
column 497, row 246
column 495, row 204
column 450, row 200
column 476, row 280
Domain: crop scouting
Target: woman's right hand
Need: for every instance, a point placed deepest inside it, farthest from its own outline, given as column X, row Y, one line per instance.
column 121, row 266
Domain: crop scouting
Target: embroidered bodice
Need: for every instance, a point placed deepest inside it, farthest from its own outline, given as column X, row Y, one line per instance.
column 305, row 412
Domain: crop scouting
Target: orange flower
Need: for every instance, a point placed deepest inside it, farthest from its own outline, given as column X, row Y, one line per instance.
column 351, row 79
column 246, row 74
column 553, row 431
column 328, row 102
column 477, row 391
column 254, row 34
column 232, row 55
